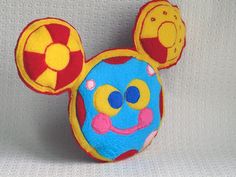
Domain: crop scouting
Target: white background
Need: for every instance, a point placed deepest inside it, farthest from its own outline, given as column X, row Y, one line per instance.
column 198, row 136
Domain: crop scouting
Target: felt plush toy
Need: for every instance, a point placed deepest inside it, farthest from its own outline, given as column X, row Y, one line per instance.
column 116, row 98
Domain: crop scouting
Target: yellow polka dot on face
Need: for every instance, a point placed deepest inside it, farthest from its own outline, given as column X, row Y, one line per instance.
column 57, row 56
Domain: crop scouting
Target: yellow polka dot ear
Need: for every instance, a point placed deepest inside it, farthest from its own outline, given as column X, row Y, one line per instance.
column 160, row 33
column 49, row 55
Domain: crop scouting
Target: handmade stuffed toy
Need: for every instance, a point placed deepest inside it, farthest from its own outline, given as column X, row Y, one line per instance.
column 116, row 98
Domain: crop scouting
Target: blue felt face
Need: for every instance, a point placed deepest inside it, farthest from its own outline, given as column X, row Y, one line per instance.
column 130, row 124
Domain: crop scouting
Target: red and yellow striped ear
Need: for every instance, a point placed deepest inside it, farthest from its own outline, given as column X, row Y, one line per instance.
column 160, row 33
column 49, row 55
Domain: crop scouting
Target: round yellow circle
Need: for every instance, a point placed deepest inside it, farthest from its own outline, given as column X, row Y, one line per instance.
column 167, row 34
column 57, row 56
column 100, row 100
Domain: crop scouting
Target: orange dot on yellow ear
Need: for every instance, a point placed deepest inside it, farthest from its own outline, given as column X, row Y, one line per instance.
column 167, row 34
column 57, row 56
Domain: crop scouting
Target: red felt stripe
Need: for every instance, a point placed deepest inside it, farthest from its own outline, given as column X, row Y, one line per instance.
column 126, row 155
column 73, row 69
column 117, row 60
column 80, row 109
column 161, row 103
column 59, row 33
column 34, row 64
column 155, row 49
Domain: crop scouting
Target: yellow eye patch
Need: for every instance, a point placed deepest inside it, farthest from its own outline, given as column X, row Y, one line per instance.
column 137, row 94
column 108, row 100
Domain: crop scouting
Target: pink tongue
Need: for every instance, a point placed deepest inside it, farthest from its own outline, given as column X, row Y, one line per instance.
column 155, row 49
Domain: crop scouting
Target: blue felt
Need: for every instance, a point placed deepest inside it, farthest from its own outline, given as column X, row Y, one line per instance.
column 111, row 145
column 132, row 94
column 115, row 99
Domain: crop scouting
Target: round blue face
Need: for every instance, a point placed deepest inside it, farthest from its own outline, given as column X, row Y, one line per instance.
column 122, row 107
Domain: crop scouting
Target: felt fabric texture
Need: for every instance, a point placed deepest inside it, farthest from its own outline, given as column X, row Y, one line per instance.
column 49, row 55
column 160, row 33
column 141, row 91
column 101, row 99
column 116, row 98
column 111, row 144
column 197, row 136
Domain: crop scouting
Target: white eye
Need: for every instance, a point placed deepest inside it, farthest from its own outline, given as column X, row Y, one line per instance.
column 90, row 84
column 150, row 71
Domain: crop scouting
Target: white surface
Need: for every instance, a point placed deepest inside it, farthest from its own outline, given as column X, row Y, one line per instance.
column 198, row 135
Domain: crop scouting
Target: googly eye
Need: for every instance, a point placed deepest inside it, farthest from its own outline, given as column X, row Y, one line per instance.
column 132, row 94
column 137, row 94
column 115, row 100
column 108, row 100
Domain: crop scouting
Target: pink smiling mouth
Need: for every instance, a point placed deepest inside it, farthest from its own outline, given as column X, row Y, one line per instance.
column 102, row 123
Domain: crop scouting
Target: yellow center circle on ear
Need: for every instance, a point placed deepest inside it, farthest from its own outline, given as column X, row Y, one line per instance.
column 57, row 56
column 167, row 34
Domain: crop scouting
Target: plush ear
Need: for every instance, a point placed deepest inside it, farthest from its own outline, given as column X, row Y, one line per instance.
column 49, row 55
column 160, row 33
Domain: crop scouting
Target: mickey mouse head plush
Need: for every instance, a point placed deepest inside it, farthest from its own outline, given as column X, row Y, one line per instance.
column 116, row 98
